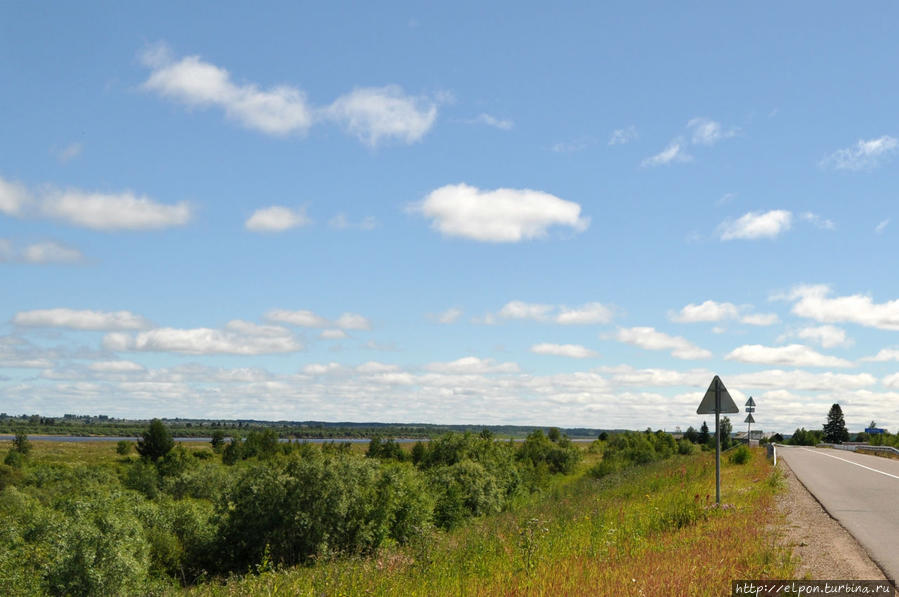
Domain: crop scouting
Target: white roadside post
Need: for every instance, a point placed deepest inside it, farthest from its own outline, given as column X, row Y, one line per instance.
column 717, row 400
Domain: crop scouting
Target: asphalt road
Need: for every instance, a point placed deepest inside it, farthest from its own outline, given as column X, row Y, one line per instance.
column 860, row 491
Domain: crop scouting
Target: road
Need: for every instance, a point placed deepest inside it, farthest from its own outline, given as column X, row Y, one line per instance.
column 860, row 491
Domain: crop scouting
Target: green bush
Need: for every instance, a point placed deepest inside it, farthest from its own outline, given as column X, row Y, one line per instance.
column 21, row 444
column 155, row 442
column 14, row 459
column 463, row 490
column 739, row 455
column 123, row 447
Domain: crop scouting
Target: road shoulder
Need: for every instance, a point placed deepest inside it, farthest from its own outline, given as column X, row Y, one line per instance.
column 822, row 548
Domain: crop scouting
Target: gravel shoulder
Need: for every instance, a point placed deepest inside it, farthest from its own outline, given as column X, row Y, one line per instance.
column 822, row 548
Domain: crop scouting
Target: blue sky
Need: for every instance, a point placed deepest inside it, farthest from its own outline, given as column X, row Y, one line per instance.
column 449, row 213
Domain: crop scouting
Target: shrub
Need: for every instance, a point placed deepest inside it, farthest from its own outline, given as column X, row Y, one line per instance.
column 740, row 455
column 123, row 447
column 462, row 490
column 155, row 442
column 21, row 444
column 14, row 459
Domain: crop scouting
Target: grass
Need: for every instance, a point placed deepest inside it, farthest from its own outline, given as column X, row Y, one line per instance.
column 650, row 530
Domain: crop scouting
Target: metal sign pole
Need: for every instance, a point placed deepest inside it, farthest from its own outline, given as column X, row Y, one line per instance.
column 717, row 442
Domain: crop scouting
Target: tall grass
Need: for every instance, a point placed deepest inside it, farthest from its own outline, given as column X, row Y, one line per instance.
column 650, row 530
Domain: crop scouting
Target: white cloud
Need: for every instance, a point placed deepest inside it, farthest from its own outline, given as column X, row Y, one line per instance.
column 756, row 225
column 122, row 211
column 69, row 152
column 827, row 336
column 99, row 211
column 629, row 376
column 792, row 355
column 248, row 328
column 341, row 222
column 651, row 339
column 50, row 252
column 708, row 132
column 591, row 313
column 818, row 221
column 674, row 152
column 323, row 368
column 881, row 226
column 760, row 319
column 864, row 155
column 587, row 314
column 472, row 365
column 799, row 380
column 814, row 302
column 199, row 341
column 372, row 367
column 14, row 198
column 333, row 335
column 276, row 219
column 451, row 315
column 885, row 354
column 707, row 311
column 353, row 321
column 501, row 215
column 574, row 351
column 80, row 319
column 302, row 318
column 891, row 381
column 499, row 123
column 623, row 136
column 115, row 366
column 376, row 113
column 277, row 111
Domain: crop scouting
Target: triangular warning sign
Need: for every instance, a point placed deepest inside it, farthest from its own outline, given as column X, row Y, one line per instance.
column 707, row 406
column 749, row 419
column 750, row 402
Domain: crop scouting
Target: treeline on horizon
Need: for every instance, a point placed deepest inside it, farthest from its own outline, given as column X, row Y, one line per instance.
column 103, row 425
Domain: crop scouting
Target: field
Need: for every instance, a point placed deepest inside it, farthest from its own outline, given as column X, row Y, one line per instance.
column 645, row 530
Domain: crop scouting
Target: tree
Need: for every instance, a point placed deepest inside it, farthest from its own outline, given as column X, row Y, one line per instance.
column 155, row 442
column 835, row 431
column 217, row 440
column 21, row 444
column 691, row 435
column 703, row 437
column 726, row 430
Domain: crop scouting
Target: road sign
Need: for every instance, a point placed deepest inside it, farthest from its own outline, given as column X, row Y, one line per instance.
column 717, row 400
column 750, row 402
column 749, row 419
column 750, row 409
column 870, row 430
column 726, row 404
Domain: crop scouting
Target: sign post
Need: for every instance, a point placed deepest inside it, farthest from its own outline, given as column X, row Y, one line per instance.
column 750, row 408
column 717, row 400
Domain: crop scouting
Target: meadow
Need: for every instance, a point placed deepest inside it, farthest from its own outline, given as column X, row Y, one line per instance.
column 466, row 514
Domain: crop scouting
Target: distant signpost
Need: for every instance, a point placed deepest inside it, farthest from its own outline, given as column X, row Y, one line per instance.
column 749, row 420
column 717, row 400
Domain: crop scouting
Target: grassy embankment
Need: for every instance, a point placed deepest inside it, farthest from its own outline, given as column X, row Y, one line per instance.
column 650, row 530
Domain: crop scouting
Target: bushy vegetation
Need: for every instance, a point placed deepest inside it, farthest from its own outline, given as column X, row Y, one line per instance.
column 631, row 448
column 802, row 437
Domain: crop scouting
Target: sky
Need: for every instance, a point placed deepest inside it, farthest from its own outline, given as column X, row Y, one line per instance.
column 450, row 212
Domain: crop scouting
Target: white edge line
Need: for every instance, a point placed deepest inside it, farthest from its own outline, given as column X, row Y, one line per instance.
column 850, row 462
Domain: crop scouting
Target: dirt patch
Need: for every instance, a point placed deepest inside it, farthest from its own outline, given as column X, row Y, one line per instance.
column 822, row 547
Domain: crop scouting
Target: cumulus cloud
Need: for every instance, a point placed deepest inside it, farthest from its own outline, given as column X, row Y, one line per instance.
column 121, row 211
column 800, row 380
column 472, row 365
column 14, row 197
column 707, row 311
column 674, row 152
column 333, row 335
column 115, row 366
column 815, row 302
column 754, row 225
column 818, row 221
column 39, row 253
column 200, row 341
column 489, row 120
column 760, row 319
column 500, row 215
column 587, row 314
column 451, row 315
column 376, row 113
column 276, row 219
column 80, row 319
column 341, row 222
column 864, row 155
column 881, row 226
column 885, row 354
column 651, row 339
column 792, row 355
column 708, row 132
column 309, row 319
column 372, row 114
column 99, row 211
column 623, row 136
column 574, row 351
column 280, row 110
column 826, row 336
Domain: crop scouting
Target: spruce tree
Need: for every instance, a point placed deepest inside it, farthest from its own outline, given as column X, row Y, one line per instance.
column 835, row 431
column 155, row 442
column 703, row 437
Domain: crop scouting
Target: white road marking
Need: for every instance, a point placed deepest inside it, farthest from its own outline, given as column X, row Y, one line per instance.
column 850, row 462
